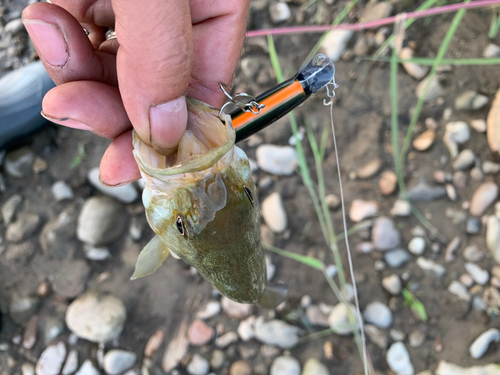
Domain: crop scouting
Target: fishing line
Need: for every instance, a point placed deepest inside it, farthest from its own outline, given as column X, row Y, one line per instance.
column 346, row 238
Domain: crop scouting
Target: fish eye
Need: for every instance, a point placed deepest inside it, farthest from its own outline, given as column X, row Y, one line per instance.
column 249, row 193
column 180, row 225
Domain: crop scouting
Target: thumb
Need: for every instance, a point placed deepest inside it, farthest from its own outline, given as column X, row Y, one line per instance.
column 154, row 67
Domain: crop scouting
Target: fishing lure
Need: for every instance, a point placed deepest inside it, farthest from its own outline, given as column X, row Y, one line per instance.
column 202, row 202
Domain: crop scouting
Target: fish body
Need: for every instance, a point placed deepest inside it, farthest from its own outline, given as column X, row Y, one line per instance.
column 202, row 204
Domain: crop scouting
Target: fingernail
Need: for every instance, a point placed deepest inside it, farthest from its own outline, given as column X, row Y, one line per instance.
column 49, row 41
column 168, row 123
column 113, row 186
column 66, row 121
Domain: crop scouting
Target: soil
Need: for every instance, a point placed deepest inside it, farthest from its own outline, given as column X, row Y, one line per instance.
column 362, row 123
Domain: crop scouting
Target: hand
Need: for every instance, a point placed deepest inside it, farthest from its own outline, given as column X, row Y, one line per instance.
column 163, row 51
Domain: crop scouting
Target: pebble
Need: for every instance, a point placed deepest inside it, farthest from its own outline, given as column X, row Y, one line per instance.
column 478, row 125
column 18, row 163
column 464, row 160
column 398, row 359
column 491, row 50
column 479, row 275
column 435, row 89
column 331, row 270
column 51, row 359
column 459, row 290
column 376, row 335
column 240, row 368
column 218, row 358
column 316, row 317
column 71, row 277
column 490, row 167
column 466, row 280
column 361, row 209
column 456, row 133
column 451, row 192
column 385, row 236
column 401, row 208
column 9, row 208
column 124, row 193
column 370, row 169
column 285, row 365
column 397, row 335
column 335, row 43
column 176, row 349
column 473, row 225
column 424, row 140
column 364, row 247
column 440, row 176
column 314, row 367
column 422, row 192
column 305, row 301
column 416, row 338
column 376, row 11
column 274, row 213
column 379, row 265
column 61, row 191
column 101, row 221
column 117, row 361
column 493, row 124
column 415, row 70
column 57, row 236
column 339, row 319
column 470, row 101
column 493, row 237
column 388, row 182
column 277, row 160
column 280, row 12
column 392, row 284
column 460, row 179
column 97, row 318
column 378, row 314
column 396, row 258
column 234, row 309
column 429, row 265
column 71, row 363
column 198, row 365
column 416, row 245
column 199, row 333
column 22, row 308
column 29, row 336
column 476, row 174
column 246, row 329
column 87, row 368
column 480, row 345
column 276, row 332
column 269, row 351
column 483, row 197
column 445, row 368
column 14, row 27
column 28, row 369
column 226, row 339
column 452, row 248
column 211, row 309
column 332, row 201
column 154, row 343
column 52, row 328
column 25, row 225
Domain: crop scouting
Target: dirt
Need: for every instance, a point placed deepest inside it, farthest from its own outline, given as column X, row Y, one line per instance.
column 362, row 122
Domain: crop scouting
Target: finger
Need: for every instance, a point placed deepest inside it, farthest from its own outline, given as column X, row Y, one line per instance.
column 218, row 37
column 154, row 66
column 64, row 48
column 96, row 12
column 87, row 105
column 118, row 166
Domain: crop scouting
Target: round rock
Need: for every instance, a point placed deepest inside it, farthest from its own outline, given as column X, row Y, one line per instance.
column 385, row 236
column 464, row 160
column 424, row 140
column 51, row 359
column 339, row 318
column 392, row 284
column 416, row 245
column 285, row 365
column 480, row 345
column 314, row 367
column 388, row 182
column 117, row 361
column 396, row 258
column 234, row 309
column 240, row 368
column 274, row 213
column 97, row 318
column 361, row 209
column 398, row 359
column 101, row 221
column 199, row 333
column 378, row 314
column 61, row 191
column 483, row 197
column 124, row 193
column 277, row 160
column 198, row 365
column 335, row 42
column 276, row 332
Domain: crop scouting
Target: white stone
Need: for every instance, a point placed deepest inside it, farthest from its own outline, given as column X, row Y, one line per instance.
column 274, row 213
column 270, row 268
column 398, row 359
column 280, row 12
column 339, row 319
column 176, row 349
column 124, row 193
column 414, row 70
column 416, row 245
column 246, row 329
column 480, row 345
column 315, row 367
column 429, row 265
column 392, row 284
column 493, row 237
column 87, row 368
column 96, row 253
column 71, row 363
column 276, row 332
column 61, row 191
column 401, row 208
column 479, row 275
column 335, row 43
column 456, row 133
column 198, row 365
column 235, row 309
column 277, row 160
column 446, row 368
column 378, row 314
column 27, row 369
column 491, row 50
column 51, row 359
column 435, row 89
column 478, row 125
column 226, row 339
column 117, row 361
column 361, row 209
column 285, row 366
column 459, row 290
column 211, row 309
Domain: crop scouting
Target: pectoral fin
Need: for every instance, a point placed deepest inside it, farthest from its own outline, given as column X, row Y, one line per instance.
column 151, row 258
column 273, row 295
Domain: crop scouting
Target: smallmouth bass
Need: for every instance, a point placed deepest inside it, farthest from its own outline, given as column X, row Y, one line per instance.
column 202, row 204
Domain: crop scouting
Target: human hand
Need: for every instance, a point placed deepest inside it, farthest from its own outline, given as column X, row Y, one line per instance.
column 167, row 49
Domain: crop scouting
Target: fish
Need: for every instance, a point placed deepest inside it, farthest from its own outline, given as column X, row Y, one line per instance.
column 202, row 204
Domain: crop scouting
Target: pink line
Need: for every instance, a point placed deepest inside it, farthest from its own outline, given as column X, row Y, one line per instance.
column 373, row 24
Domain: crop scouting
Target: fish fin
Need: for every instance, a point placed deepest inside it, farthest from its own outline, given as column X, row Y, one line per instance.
column 151, row 258
column 273, row 295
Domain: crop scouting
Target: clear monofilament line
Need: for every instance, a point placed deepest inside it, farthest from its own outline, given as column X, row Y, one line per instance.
column 346, row 238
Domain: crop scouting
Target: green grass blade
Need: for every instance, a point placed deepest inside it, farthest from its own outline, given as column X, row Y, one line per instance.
column 495, row 25
column 308, row 261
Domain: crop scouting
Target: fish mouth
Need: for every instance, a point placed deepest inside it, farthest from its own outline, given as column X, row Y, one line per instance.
column 206, row 140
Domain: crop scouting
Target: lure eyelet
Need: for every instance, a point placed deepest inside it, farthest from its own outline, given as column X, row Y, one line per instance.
column 180, row 225
column 249, row 194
